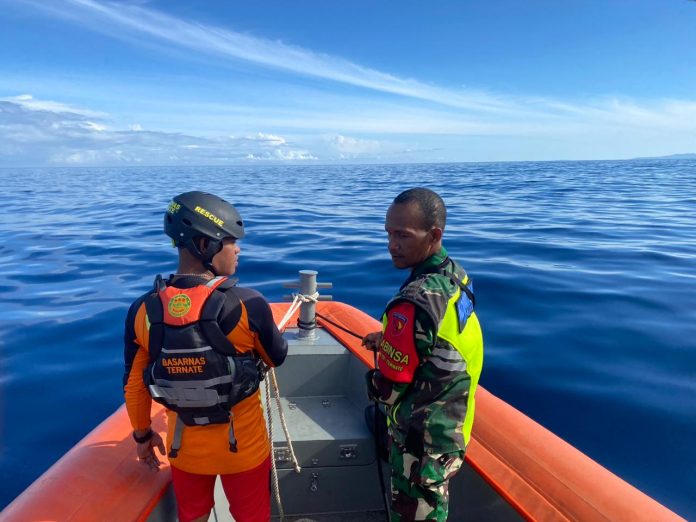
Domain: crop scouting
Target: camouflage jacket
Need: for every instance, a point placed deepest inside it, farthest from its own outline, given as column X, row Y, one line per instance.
column 427, row 414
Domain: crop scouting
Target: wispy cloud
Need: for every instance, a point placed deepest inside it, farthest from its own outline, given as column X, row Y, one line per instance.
column 29, row 102
column 133, row 22
column 140, row 25
column 289, row 118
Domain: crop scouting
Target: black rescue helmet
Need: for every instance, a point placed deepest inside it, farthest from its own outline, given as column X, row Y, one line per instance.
column 199, row 214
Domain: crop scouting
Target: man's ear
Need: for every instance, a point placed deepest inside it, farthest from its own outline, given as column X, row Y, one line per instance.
column 436, row 234
column 202, row 244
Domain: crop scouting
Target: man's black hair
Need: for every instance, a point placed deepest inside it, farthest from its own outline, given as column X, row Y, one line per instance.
column 430, row 204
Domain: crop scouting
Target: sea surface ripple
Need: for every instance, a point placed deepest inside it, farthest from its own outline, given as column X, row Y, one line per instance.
column 585, row 277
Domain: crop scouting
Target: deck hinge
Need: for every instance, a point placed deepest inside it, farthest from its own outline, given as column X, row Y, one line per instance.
column 281, row 455
column 349, row 451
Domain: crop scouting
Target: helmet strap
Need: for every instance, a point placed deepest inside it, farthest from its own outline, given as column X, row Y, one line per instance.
column 214, row 246
column 209, row 266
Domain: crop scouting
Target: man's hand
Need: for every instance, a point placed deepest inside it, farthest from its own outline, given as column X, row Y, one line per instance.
column 146, row 451
column 372, row 341
column 372, row 391
column 382, row 389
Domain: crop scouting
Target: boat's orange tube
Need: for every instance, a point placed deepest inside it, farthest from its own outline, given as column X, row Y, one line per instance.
column 540, row 475
column 98, row 479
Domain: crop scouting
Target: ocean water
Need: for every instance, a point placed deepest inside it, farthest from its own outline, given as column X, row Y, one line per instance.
column 585, row 277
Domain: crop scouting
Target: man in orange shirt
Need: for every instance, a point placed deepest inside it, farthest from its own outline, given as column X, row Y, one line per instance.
column 196, row 343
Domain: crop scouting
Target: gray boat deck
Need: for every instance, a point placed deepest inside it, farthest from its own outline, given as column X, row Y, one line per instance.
column 323, row 397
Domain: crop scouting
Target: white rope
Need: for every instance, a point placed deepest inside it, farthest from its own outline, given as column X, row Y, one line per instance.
column 284, row 424
column 309, row 298
column 297, row 301
column 276, row 488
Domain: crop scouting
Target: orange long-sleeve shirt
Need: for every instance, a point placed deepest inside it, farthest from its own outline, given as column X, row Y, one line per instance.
column 205, row 449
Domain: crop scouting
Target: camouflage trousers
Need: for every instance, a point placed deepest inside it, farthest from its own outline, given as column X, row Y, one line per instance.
column 419, row 485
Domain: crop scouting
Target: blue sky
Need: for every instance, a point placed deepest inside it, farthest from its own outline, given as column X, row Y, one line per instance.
column 88, row 82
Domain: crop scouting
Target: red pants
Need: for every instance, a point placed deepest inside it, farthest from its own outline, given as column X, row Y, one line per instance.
column 249, row 493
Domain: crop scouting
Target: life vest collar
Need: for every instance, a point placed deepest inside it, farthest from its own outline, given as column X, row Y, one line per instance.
column 182, row 306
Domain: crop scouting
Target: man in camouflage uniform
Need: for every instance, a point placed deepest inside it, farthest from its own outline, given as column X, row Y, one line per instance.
column 430, row 354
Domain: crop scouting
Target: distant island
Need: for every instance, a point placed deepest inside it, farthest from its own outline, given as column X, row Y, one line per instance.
column 688, row 155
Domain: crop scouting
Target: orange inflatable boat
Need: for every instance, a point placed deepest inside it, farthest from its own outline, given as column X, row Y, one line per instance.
column 515, row 469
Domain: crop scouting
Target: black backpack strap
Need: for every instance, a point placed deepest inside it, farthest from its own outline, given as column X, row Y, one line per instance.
column 232, row 438
column 440, row 269
column 464, row 288
column 210, row 313
column 178, row 433
column 155, row 315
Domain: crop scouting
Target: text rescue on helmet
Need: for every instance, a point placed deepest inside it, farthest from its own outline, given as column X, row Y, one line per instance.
column 212, row 217
column 174, row 207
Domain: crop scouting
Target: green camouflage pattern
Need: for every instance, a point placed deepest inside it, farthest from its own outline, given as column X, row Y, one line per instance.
column 427, row 415
column 419, row 485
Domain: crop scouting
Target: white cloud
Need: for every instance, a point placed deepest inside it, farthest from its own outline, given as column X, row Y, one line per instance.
column 347, row 145
column 294, row 155
column 40, row 136
column 270, row 139
column 282, row 155
column 343, row 147
column 95, row 126
column 608, row 128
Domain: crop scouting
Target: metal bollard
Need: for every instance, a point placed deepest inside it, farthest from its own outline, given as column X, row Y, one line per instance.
column 308, row 310
column 307, row 321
